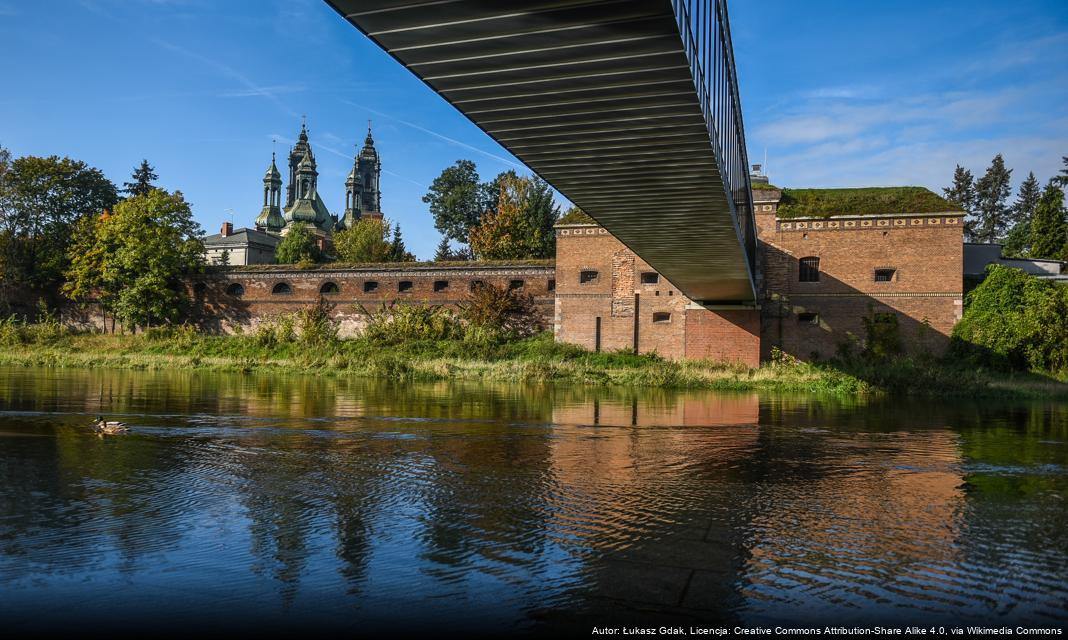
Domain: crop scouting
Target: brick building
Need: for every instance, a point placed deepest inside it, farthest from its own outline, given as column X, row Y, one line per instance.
column 820, row 273
column 225, row 299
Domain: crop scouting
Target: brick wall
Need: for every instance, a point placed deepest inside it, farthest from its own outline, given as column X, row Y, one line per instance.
column 811, row 319
column 668, row 323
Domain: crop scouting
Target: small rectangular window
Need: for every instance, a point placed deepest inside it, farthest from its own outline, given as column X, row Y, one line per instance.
column 808, row 318
column 885, row 275
column 515, row 284
column 809, row 269
column 405, row 286
column 552, row 284
column 650, row 277
column 587, row 276
column 369, row 286
column 441, row 285
column 661, row 316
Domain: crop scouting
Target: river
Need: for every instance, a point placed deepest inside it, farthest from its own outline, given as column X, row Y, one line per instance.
column 251, row 502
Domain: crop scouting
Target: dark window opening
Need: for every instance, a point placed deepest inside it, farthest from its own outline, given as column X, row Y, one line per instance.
column 884, row 275
column 199, row 288
column 370, row 286
column 587, row 276
column 476, row 284
column 808, row 318
column 329, row 287
column 405, row 285
column 441, row 285
column 661, row 316
column 515, row 284
column 235, row 290
column 810, row 269
column 552, row 284
column 281, row 288
column 650, row 277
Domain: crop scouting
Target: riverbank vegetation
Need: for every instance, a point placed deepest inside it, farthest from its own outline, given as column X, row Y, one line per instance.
column 492, row 338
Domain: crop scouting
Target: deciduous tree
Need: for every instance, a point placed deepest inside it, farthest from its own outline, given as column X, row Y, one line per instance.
column 456, row 200
column 135, row 260
column 522, row 226
column 40, row 200
column 367, row 241
column 298, row 245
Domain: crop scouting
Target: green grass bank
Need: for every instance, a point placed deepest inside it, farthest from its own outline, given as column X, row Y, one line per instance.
column 535, row 359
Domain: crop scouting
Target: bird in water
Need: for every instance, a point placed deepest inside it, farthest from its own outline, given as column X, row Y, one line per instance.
column 108, row 427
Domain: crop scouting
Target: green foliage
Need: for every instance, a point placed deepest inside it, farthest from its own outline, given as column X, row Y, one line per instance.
column 1014, row 320
column 40, row 200
column 142, row 180
column 797, row 203
column 574, row 215
column 1026, row 200
column 367, row 241
column 47, row 331
column 962, row 194
column 398, row 324
column 492, row 308
column 134, row 261
column 316, row 326
column 457, row 200
column 991, row 193
column 522, row 226
column 297, row 245
column 274, row 332
column 1049, row 229
column 398, row 252
column 883, row 337
column 1018, row 241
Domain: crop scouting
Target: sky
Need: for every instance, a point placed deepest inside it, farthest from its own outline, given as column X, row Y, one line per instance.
column 895, row 92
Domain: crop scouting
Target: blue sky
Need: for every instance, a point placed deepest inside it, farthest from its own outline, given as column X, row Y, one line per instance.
column 838, row 94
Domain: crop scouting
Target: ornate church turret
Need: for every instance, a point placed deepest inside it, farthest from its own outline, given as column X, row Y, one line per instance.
column 353, row 196
column 270, row 218
column 301, row 149
column 370, row 169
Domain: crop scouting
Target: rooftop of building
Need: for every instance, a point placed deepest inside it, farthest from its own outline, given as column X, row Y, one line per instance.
column 398, row 266
column 862, row 201
column 241, row 236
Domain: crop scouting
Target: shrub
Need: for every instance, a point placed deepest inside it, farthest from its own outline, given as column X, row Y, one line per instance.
column 10, row 331
column 883, row 335
column 271, row 333
column 395, row 324
column 315, row 324
column 493, row 308
column 1014, row 320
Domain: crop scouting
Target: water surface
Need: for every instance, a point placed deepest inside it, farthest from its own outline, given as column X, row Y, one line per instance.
column 269, row 502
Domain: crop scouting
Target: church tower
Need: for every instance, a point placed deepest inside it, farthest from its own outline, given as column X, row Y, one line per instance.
column 270, row 218
column 353, row 196
column 296, row 155
column 370, row 170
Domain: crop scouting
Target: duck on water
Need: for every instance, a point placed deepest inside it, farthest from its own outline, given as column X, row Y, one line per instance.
column 109, row 427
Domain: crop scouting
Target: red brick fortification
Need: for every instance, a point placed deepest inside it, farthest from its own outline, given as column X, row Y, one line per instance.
column 605, row 294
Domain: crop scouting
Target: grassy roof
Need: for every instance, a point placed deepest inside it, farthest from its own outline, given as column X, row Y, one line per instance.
column 764, row 186
column 576, row 216
column 821, row 203
column 333, row 266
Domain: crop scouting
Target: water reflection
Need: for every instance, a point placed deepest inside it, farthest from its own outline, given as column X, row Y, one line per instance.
column 278, row 501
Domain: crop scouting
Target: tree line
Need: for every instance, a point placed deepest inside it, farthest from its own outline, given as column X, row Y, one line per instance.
column 1034, row 225
column 67, row 230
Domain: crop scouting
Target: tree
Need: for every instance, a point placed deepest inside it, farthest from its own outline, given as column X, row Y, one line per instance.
column 135, row 260
column 298, row 245
column 1018, row 240
column 991, row 192
column 962, row 193
column 1062, row 177
column 1049, row 230
column 142, row 180
column 367, row 241
column 398, row 253
column 444, row 251
column 456, row 200
column 40, row 200
column 522, row 226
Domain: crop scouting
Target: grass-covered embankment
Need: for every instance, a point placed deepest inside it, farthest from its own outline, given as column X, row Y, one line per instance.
column 537, row 359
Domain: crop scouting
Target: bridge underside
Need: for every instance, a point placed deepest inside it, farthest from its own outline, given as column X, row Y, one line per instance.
column 598, row 98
